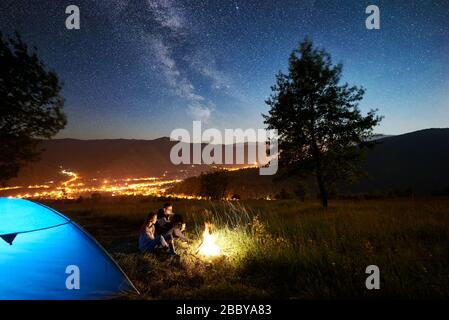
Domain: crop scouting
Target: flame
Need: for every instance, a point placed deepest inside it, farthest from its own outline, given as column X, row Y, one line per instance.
column 208, row 247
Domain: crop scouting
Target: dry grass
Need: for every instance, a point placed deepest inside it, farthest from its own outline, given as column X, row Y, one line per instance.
column 283, row 249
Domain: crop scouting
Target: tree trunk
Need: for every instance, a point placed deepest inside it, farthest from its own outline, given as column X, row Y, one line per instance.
column 318, row 173
column 323, row 190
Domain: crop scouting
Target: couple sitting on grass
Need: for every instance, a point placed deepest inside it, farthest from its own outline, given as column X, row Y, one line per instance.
column 160, row 229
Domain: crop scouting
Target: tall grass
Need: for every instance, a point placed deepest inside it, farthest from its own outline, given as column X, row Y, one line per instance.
column 285, row 249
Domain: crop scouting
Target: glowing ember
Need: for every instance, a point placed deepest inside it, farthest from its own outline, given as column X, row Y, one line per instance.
column 208, row 247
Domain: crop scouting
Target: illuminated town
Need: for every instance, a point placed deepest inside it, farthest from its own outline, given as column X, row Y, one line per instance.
column 75, row 186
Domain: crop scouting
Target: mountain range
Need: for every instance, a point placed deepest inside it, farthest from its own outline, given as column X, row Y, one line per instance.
column 418, row 160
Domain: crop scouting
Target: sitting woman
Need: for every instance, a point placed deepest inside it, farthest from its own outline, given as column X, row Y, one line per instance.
column 148, row 240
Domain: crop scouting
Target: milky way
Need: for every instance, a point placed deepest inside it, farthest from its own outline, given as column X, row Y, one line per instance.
column 138, row 69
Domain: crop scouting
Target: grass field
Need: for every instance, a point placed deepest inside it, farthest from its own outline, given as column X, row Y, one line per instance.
column 282, row 249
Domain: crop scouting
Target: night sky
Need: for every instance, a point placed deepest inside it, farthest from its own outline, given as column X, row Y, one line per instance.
column 139, row 69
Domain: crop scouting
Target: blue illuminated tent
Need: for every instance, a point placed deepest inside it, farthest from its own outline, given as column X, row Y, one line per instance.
column 38, row 249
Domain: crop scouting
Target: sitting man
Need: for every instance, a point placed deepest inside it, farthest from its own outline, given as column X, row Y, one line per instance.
column 166, row 211
column 170, row 225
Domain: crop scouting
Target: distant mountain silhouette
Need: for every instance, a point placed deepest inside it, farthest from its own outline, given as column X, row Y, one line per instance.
column 417, row 161
column 379, row 136
column 101, row 158
column 109, row 158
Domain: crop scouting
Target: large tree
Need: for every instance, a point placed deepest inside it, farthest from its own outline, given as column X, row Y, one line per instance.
column 214, row 184
column 30, row 105
column 321, row 129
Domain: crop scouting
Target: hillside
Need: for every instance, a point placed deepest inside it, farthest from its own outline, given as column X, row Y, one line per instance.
column 414, row 162
column 417, row 160
column 101, row 158
column 110, row 158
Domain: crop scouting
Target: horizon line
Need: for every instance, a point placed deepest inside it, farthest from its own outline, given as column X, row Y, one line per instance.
column 165, row 137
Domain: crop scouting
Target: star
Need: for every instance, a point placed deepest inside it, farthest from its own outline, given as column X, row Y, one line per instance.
column 163, row 58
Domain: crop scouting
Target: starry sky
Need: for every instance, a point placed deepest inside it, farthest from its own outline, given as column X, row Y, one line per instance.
column 141, row 68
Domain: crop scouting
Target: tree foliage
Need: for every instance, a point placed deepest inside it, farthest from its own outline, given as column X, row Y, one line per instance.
column 214, row 184
column 321, row 129
column 30, row 105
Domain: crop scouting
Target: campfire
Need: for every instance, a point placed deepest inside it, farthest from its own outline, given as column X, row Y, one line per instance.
column 208, row 246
